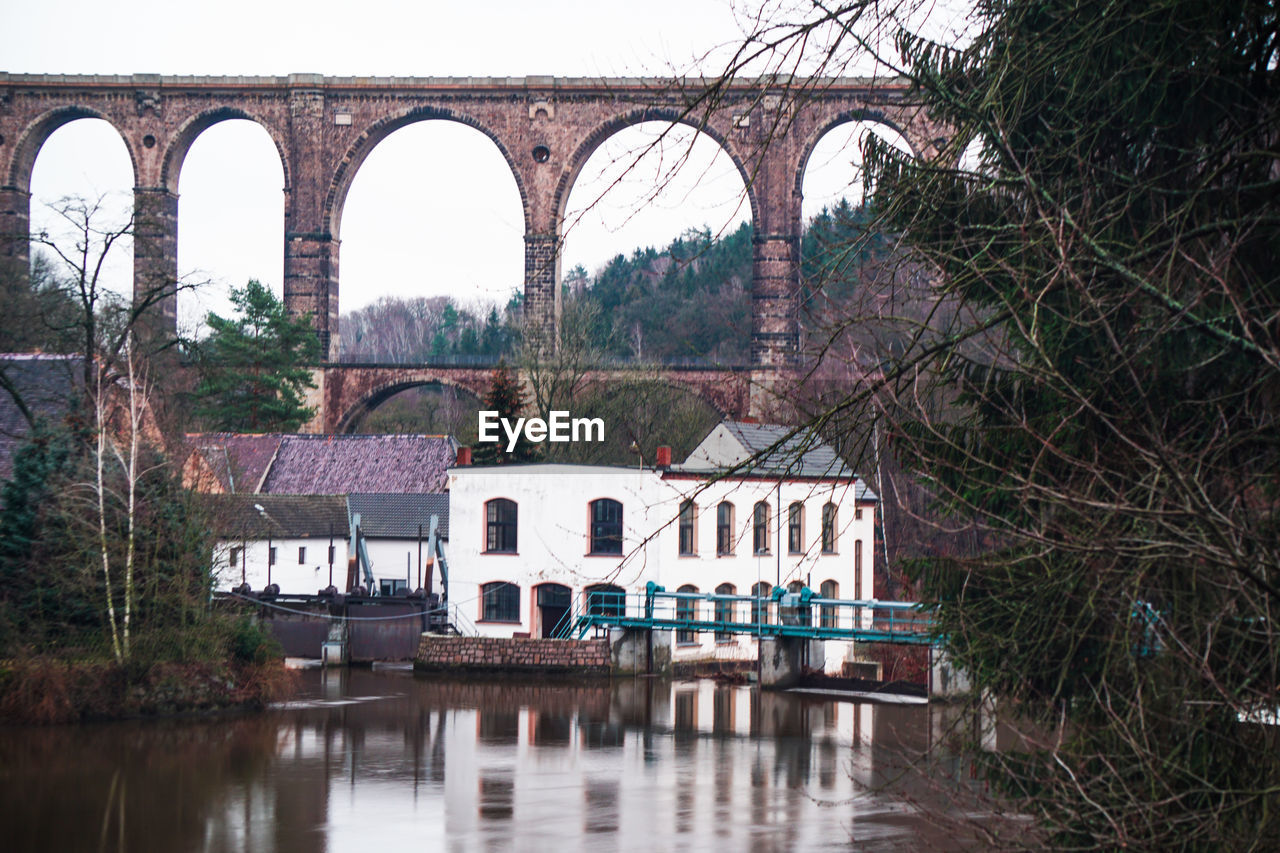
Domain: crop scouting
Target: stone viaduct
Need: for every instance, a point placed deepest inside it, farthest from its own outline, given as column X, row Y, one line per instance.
column 545, row 127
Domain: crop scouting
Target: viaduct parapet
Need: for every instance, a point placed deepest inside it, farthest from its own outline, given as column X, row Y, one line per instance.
column 545, row 127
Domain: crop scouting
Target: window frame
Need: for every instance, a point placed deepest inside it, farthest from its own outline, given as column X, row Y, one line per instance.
column 724, row 529
column 724, row 611
column 496, row 528
column 763, row 592
column 687, row 522
column 687, row 609
column 760, row 518
column 596, row 538
column 829, row 588
column 795, row 528
column 829, row 538
column 488, row 594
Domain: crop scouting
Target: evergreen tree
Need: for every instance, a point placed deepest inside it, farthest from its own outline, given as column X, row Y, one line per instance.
column 505, row 396
column 1095, row 386
column 254, row 369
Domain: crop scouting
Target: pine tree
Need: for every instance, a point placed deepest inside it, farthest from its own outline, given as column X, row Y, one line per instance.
column 254, row 368
column 506, row 396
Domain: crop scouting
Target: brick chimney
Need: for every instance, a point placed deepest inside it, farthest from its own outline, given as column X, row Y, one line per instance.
column 464, row 456
column 664, row 457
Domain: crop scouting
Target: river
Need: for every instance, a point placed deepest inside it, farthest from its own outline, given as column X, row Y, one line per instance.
column 382, row 760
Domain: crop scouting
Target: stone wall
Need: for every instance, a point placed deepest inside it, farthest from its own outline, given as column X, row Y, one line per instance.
column 504, row 654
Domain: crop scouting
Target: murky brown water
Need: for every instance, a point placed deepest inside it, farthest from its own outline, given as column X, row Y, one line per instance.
column 383, row 761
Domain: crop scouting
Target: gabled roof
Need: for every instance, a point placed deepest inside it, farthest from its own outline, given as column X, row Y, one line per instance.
column 397, row 516
column 361, row 464
column 303, row 464
column 236, row 461
column 278, row 516
column 804, row 454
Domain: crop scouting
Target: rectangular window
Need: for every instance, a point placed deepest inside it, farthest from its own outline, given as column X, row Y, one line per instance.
column 686, row 611
column 687, row 513
column 829, row 529
column 500, row 602
column 271, row 556
column 234, row 559
column 302, row 555
column 500, row 526
column 760, row 528
column 393, row 586
column 724, row 528
column 795, row 532
column 724, row 612
column 857, row 568
column 606, row 527
column 332, row 554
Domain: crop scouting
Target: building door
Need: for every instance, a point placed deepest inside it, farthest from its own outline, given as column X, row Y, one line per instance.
column 553, row 608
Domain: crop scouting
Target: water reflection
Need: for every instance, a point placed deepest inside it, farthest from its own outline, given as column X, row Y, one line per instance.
column 466, row 765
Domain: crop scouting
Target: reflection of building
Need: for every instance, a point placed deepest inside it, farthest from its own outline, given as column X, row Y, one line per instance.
column 531, row 544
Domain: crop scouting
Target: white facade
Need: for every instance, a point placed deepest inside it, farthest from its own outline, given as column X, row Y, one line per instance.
column 300, row 565
column 553, row 543
column 394, row 562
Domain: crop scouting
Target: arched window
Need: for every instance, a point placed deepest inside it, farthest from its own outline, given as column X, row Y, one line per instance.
column 827, row 615
column 795, row 613
column 500, row 526
column 724, row 528
column 605, row 599
column 724, row 611
column 760, row 528
column 857, row 567
column 760, row 607
column 688, row 542
column 606, row 527
column 500, row 602
column 795, row 528
column 829, row 528
column 686, row 609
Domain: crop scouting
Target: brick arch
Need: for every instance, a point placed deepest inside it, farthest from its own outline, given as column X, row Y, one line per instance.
column 384, row 388
column 622, row 121
column 860, row 114
column 345, row 172
column 38, row 131
column 187, row 133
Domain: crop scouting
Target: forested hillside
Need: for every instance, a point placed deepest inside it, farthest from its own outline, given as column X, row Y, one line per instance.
column 688, row 301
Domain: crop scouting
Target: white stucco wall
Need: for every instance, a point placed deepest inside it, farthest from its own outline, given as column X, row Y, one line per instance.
column 391, row 558
column 552, row 541
column 308, row 577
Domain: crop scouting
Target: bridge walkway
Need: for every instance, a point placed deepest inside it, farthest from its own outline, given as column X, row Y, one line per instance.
column 800, row 614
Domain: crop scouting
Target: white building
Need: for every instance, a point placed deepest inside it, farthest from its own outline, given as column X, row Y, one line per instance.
column 396, row 529
column 298, row 542
column 528, row 542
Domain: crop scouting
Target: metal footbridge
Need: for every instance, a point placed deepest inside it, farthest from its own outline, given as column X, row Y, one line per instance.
column 783, row 613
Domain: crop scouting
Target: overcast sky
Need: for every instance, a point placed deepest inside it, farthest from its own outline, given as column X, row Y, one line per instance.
column 434, row 209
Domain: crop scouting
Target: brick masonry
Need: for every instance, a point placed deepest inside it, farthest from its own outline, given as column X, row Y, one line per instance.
column 545, row 128
column 502, row 654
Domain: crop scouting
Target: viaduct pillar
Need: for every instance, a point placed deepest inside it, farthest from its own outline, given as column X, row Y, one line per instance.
column 15, row 234
column 310, row 249
column 155, row 256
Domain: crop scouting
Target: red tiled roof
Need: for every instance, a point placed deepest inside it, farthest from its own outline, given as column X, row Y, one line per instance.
column 238, row 460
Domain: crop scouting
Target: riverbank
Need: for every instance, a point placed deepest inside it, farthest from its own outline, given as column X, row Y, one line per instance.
column 46, row 690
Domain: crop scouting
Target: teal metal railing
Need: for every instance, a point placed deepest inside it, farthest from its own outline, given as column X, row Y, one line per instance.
column 781, row 614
